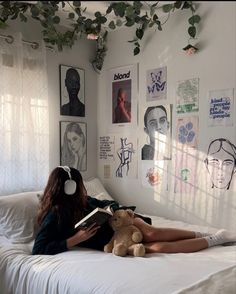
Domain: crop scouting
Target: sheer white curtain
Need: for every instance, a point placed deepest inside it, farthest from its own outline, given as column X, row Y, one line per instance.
column 24, row 123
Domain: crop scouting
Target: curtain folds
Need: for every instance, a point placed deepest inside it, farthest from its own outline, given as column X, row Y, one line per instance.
column 24, row 122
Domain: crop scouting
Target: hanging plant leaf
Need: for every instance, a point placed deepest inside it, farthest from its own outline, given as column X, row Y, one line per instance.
column 3, row 25
column 192, row 31
column 112, row 25
column 97, row 14
column 102, row 20
column 155, row 17
column 88, row 23
column 178, row 4
column 109, row 9
column 77, row 3
column 158, row 23
column 137, row 6
column 186, row 5
column 136, row 50
column 194, row 19
column 129, row 11
column 130, row 22
column 119, row 8
column 128, row 14
column 119, row 22
column 71, row 15
column 34, row 11
column 56, row 19
column 167, row 8
column 139, row 33
column 23, row 17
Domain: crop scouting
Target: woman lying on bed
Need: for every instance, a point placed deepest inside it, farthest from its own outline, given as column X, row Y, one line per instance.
column 65, row 202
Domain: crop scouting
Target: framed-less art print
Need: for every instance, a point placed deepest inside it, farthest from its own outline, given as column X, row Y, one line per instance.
column 73, row 144
column 122, row 97
column 72, row 91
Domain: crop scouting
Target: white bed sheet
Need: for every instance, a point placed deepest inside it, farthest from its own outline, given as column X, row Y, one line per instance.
column 89, row 271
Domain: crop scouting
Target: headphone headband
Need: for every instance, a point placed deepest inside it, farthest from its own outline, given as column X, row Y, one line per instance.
column 69, row 185
column 67, row 169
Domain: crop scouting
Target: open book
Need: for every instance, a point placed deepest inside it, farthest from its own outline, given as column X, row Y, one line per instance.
column 98, row 216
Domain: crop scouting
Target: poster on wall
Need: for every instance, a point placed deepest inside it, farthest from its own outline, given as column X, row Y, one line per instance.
column 187, row 96
column 221, row 107
column 185, row 171
column 157, row 122
column 220, row 163
column 154, row 175
column 156, row 84
column 187, row 131
column 107, row 147
column 125, row 157
column 72, row 91
column 122, row 95
column 73, row 147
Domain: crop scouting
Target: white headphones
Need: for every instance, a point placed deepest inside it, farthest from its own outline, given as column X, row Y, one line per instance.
column 70, row 185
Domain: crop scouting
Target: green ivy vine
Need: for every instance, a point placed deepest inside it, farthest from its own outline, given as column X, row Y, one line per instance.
column 140, row 15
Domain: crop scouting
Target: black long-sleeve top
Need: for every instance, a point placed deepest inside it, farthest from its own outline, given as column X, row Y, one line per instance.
column 52, row 236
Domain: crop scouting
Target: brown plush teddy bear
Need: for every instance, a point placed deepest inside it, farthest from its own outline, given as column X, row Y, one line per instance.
column 127, row 237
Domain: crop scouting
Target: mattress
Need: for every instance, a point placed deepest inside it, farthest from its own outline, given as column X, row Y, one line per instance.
column 81, row 270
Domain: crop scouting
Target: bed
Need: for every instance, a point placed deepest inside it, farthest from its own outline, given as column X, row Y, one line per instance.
column 88, row 271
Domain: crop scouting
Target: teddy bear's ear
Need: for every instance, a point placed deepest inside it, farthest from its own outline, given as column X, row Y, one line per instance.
column 130, row 212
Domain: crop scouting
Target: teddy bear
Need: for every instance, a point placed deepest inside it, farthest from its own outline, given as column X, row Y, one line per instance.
column 127, row 237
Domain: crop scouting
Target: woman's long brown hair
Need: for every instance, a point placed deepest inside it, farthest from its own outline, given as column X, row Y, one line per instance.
column 54, row 196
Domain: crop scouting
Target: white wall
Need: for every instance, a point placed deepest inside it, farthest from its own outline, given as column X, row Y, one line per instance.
column 215, row 66
column 78, row 56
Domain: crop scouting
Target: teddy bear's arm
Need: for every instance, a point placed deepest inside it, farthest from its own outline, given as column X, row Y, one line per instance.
column 137, row 236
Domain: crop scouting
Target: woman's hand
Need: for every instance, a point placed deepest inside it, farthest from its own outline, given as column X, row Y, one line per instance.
column 82, row 235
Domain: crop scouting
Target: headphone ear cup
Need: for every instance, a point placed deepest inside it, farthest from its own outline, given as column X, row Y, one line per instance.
column 70, row 187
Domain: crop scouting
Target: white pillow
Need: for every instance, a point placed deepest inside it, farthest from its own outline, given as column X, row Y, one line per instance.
column 18, row 213
column 96, row 189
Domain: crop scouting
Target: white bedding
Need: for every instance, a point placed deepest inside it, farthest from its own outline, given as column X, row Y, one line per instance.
column 88, row 271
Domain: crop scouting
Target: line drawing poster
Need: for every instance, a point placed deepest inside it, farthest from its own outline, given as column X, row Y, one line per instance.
column 220, row 163
column 187, row 131
column 156, row 84
column 187, row 95
column 221, row 106
column 125, row 157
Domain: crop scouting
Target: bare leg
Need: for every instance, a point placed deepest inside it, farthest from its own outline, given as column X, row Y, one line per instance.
column 153, row 234
column 184, row 246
